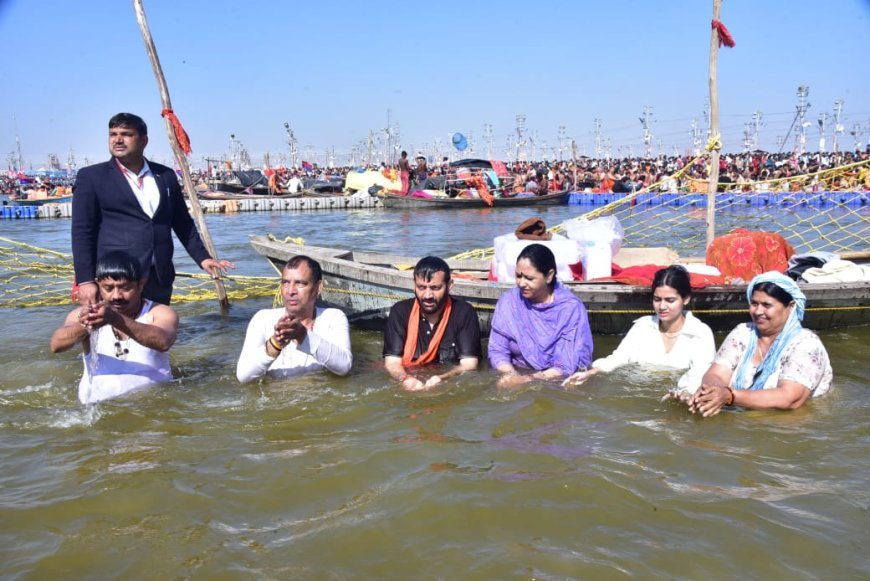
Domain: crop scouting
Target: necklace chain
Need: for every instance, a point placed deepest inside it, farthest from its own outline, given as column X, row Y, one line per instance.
column 672, row 334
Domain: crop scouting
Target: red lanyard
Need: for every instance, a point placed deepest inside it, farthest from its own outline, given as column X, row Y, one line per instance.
column 138, row 179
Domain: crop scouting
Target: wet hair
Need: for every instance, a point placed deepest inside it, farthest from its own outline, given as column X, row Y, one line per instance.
column 542, row 258
column 674, row 276
column 427, row 267
column 130, row 121
column 404, row 153
column 775, row 291
column 118, row 265
column 313, row 266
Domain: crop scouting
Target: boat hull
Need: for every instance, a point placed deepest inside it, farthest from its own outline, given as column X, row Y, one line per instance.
column 42, row 201
column 365, row 286
column 399, row 201
column 210, row 195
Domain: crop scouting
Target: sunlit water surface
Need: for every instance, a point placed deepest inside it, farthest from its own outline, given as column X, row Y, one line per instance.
column 325, row 477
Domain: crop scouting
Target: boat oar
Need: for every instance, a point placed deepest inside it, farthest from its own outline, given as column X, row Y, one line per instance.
column 178, row 149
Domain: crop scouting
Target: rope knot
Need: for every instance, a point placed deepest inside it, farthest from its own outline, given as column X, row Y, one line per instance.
column 714, row 143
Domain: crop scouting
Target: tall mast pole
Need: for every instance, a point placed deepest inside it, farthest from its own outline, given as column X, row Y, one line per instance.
column 838, row 127
column 180, row 156
column 18, row 165
column 803, row 105
column 597, row 132
column 713, row 183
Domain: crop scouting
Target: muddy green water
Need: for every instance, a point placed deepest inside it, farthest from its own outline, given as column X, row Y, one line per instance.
column 336, row 478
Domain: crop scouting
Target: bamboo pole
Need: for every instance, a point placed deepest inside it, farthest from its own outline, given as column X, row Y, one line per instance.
column 713, row 178
column 180, row 156
column 574, row 162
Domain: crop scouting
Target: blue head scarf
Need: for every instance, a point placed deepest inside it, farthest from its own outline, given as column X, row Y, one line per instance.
column 790, row 330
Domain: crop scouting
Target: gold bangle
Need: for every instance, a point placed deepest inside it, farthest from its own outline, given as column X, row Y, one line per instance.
column 275, row 344
column 731, row 401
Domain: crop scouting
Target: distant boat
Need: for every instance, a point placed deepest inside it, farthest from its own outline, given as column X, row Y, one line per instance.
column 41, row 201
column 331, row 185
column 250, row 182
column 40, row 196
column 220, row 195
column 412, row 201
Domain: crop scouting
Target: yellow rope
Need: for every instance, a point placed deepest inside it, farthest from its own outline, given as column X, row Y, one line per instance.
column 714, row 143
column 299, row 241
column 31, row 276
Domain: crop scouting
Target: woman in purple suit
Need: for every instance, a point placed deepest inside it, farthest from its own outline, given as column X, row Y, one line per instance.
column 540, row 329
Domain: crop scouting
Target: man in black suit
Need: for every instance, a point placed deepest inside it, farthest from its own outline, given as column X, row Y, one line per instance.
column 130, row 204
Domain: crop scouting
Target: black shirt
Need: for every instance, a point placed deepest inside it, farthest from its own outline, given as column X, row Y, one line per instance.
column 461, row 338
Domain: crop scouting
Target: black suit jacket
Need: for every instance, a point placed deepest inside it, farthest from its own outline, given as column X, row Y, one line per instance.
column 107, row 216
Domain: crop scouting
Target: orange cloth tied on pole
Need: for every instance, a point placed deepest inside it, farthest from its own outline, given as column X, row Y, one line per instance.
column 724, row 36
column 180, row 133
column 414, row 332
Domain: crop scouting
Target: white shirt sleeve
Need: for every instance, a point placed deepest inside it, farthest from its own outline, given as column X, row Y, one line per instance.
column 254, row 362
column 703, row 352
column 622, row 355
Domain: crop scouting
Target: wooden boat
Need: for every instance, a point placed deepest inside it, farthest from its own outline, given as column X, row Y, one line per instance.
column 234, row 188
column 366, row 284
column 247, row 182
column 220, row 195
column 330, row 186
column 400, row 201
column 41, row 201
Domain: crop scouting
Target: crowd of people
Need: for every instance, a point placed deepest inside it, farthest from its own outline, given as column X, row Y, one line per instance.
column 754, row 171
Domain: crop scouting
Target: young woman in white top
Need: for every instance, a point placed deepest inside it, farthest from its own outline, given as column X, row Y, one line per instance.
column 672, row 337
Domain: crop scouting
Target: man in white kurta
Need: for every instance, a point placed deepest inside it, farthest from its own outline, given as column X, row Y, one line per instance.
column 300, row 337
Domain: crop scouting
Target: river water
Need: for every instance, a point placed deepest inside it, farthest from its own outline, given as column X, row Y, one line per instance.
column 333, row 478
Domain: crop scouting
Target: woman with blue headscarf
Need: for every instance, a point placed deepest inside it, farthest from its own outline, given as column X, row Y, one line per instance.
column 770, row 363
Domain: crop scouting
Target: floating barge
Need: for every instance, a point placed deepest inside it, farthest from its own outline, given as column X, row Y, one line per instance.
column 64, row 210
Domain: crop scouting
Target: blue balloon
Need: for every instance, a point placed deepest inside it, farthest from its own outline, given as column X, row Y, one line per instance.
column 459, row 141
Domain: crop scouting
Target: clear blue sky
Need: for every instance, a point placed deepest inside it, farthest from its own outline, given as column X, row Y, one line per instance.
column 334, row 69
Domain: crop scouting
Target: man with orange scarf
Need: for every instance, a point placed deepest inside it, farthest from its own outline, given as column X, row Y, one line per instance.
column 431, row 328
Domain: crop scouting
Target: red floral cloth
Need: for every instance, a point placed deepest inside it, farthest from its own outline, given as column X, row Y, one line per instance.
column 743, row 254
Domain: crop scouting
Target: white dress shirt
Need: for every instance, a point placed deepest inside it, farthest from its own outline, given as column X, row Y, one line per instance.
column 144, row 187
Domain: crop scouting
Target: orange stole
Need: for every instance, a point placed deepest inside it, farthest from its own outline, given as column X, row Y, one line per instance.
column 414, row 332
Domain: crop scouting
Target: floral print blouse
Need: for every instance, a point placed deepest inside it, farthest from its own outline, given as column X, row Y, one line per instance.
column 804, row 360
